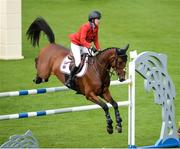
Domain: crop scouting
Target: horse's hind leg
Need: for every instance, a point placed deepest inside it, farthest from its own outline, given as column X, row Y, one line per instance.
column 39, row 79
column 108, row 98
column 104, row 106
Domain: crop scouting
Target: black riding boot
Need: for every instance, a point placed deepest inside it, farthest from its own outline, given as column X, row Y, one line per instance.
column 71, row 76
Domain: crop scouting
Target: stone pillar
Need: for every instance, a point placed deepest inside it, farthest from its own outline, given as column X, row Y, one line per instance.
column 10, row 30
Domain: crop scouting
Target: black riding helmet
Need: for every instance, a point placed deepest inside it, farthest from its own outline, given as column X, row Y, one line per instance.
column 94, row 15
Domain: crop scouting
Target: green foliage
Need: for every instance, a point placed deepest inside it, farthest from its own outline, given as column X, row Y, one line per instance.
column 152, row 25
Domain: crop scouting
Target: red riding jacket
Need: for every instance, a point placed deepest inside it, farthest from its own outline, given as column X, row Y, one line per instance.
column 85, row 36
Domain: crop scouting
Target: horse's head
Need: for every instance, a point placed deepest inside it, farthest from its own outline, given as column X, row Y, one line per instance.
column 119, row 62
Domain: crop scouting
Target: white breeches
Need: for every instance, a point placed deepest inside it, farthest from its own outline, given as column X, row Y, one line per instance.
column 77, row 51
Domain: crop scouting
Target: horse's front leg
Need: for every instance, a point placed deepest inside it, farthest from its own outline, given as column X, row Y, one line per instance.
column 117, row 115
column 104, row 106
column 107, row 96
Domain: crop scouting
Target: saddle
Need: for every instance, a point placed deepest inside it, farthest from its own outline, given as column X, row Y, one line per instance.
column 68, row 63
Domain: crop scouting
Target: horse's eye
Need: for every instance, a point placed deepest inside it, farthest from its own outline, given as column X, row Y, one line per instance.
column 119, row 60
column 125, row 69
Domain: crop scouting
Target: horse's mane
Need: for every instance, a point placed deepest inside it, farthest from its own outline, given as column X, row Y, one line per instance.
column 102, row 51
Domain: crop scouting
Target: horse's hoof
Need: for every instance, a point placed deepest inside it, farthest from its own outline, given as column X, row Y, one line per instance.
column 37, row 81
column 110, row 129
column 34, row 80
column 119, row 129
column 46, row 80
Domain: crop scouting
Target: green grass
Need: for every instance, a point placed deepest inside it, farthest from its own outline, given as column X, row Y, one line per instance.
column 151, row 25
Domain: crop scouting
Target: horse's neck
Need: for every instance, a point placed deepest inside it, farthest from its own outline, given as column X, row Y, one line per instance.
column 103, row 64
column 104, row 58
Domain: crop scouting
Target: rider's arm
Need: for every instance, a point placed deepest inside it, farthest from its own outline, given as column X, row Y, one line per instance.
column 96, row 42
column 84, row 31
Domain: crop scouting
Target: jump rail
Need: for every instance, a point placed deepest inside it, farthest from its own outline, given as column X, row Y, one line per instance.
column 48, row 90
column 57, row 111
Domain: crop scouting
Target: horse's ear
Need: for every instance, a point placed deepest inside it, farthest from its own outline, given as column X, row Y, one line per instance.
column 123, row 50
column 126, row 48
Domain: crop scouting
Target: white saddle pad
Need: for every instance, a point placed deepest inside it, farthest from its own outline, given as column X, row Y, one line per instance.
column 64, row 67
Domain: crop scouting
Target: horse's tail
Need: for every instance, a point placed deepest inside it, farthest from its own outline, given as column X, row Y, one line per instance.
column 33, row 33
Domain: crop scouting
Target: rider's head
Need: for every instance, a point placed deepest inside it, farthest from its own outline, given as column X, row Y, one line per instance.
column 93, row 16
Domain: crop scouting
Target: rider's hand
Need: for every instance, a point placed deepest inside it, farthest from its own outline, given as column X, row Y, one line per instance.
column 95, row 53
column 93, row 49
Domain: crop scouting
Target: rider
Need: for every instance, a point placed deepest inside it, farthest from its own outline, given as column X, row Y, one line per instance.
column 82, row 40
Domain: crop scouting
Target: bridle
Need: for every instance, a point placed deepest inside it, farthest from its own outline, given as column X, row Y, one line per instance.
column 116, row 65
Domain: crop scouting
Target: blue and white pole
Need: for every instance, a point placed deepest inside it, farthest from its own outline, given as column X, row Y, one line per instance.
column 48, row 90
column 57, row 111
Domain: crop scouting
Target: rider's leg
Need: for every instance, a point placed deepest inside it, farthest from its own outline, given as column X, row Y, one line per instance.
column 71, row 76
column 76, row 51
column 84, row 50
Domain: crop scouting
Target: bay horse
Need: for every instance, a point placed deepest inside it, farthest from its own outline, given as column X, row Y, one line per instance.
column 95, row 82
